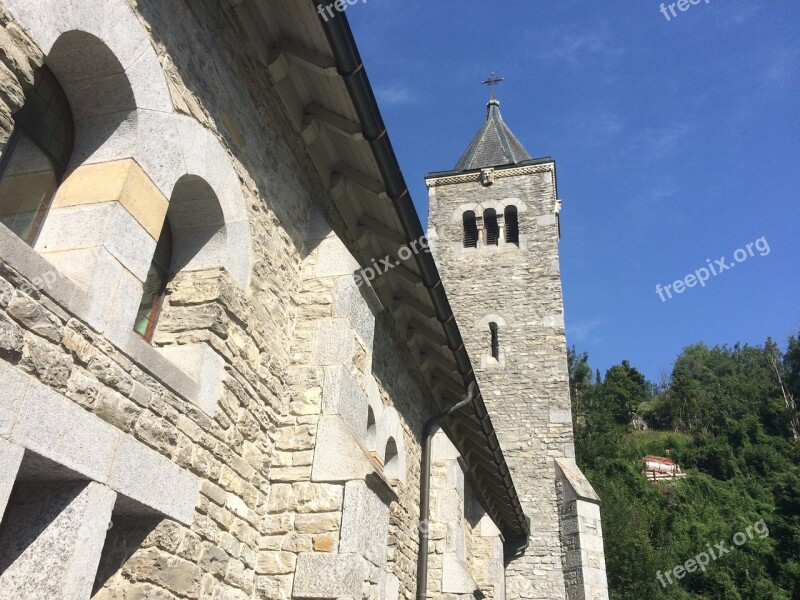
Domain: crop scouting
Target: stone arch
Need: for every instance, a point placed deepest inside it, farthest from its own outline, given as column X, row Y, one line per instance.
column 391, row 467
column 103, row 58
column 372, row 429
column 204, row 157
column 461, row 209
column 390, row 428
column 197, row 224
column 501, row 205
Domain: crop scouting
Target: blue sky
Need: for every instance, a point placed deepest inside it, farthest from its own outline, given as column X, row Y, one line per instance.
column 675, row 142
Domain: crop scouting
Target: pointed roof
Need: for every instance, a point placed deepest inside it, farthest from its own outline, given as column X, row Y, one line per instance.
column 494, row 145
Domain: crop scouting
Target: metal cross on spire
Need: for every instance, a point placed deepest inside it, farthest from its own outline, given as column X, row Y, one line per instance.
column 493, row 81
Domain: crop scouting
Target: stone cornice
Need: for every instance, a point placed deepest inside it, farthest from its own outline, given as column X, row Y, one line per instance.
column 475, row 176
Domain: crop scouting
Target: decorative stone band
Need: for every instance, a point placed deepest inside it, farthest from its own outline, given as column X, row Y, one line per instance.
column 47, row 424
column 498, row 174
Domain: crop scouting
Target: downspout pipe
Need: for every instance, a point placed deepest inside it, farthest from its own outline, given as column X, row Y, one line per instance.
column 425, row 489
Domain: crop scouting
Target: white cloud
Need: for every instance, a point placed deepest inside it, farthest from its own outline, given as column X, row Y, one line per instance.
column 583, row 332
column 576, row 47
column 395, row 94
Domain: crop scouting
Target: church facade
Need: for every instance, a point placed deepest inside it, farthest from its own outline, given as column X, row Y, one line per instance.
column 232, row 364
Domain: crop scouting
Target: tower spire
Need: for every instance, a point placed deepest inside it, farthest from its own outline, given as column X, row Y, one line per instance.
column 494, row 145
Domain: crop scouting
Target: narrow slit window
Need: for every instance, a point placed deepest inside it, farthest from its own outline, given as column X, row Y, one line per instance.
column 155, row 286
column 512, row 225
column 391, row 465
column 495, row 341
column 372, row 429
column 490, row 226
column 470, row 230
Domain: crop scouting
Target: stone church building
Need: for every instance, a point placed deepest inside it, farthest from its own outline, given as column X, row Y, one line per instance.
column 232, row 364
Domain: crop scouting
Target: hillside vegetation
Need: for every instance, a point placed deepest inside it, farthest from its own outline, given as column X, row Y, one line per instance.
column 727, row 416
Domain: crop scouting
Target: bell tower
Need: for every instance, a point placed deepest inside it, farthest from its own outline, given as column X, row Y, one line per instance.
column 494, row 229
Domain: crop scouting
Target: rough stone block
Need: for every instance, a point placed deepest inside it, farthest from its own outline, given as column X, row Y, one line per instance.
column 52, row 539
column 350, row 304
column 442, row 448
column 10, row 459
column 12, row 392
column 205, row 367
column 55, row 428
column 107, row 225
column 365, row 523
column 323, row 576
column 341, row 395
column 120, row 181
column 456, row 541
column 155, row 481
column 455, row 477
column 455, row 577
column 392, row 588
column 338, row 456
column 560, row 416
column 487, row 528
column 318, row 227
column 576, row 483
column 334, row 259
column 333, row 343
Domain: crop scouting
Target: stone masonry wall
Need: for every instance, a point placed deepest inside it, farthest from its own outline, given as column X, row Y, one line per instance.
column 527, row 392
column 257, row 508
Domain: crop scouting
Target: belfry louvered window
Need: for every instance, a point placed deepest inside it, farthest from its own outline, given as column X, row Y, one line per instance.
column 490, row 226
column 470, row 230
column 512, row 225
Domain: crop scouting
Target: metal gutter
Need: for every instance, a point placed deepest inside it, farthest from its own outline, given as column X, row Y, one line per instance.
column 353, row 73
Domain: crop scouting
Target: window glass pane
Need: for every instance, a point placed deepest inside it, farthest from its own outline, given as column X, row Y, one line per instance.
column 155, row 286
column 27, row 187
column 36, row 157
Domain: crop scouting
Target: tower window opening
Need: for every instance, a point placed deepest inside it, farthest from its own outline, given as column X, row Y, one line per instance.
column 470, row 230
column 512, row 225
column 491, row 227
column 495, row 341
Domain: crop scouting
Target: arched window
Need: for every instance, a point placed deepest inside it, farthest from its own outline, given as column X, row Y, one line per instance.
column 495, row 341
column 512, row 225
column 391, row 464
column 470, row 230
column 490, row 226
column 372, row 429
column 36, row 156
column 155, row 286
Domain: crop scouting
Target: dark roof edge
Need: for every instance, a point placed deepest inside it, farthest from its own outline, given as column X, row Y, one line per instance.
column 524, row 163
column 351, row 69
